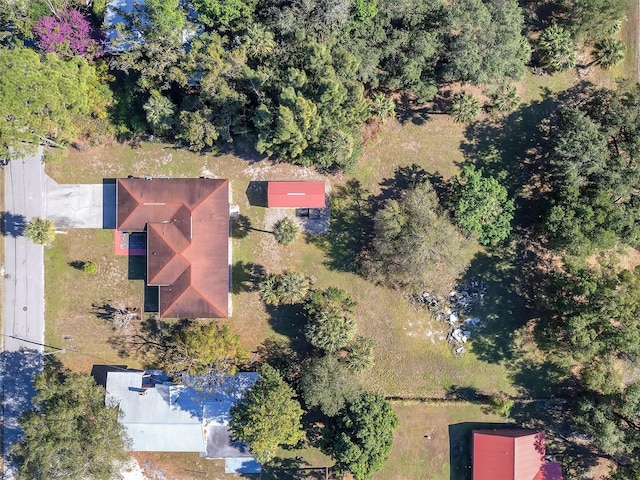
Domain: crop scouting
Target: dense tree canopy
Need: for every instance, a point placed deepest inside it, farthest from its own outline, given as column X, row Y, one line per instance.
column 204, row 350
column 361, row 437
column 45, row 99
column 481, row 207
column 70, row 433
column 414, row 239
column 328, row 384
column 486, row 43
column 268, row 416
column 593, row 155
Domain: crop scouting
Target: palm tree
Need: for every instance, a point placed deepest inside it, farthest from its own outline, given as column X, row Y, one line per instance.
column 608, row 52
column 464, row 107
column 382, row 107
column 268, row 289
column 506, row 98
column 360, row 354
column 339, row 148
column 160, row 112
column 556, row 48
column 285, row 231
column 293, row 287
column 40, row 231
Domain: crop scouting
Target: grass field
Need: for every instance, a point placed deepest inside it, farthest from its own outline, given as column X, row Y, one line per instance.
column 443, row 456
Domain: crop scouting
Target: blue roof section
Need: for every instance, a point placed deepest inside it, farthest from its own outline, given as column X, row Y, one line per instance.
column 160, row 416
column 175, row 437
column 131, row 13
column 121, row 12
column 241, row 465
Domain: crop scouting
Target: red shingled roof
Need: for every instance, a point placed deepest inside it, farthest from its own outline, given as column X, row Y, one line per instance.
column 511, row 455
column 295, row 194
column 187, row 222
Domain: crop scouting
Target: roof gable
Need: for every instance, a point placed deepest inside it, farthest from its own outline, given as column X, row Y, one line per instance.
column 187, row 222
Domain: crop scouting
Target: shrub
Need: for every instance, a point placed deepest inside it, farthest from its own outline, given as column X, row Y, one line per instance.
column 89, row 267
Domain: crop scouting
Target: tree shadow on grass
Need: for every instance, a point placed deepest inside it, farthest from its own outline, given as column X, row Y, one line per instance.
column 410, row 110
column 246, row 276
column 289, row 321
column 240, row 227
column 503, row 309
column 77, row 264
column 349, row 229
column 291, row 469
column 257, row 193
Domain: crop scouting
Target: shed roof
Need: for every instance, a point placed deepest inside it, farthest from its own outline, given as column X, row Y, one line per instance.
column 296, row 195
column 187, row 222
column 516, row 454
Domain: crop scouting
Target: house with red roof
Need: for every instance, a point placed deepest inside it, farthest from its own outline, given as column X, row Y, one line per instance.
column 187, row 225
column 296, row 195
column 514, row 454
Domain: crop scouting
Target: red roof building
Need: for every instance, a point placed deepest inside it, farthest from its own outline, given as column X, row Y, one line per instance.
column 187, row 224
column 512, row 455
column 295, row 195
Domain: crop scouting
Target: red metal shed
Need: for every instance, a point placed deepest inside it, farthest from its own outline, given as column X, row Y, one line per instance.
column 511, row 455
column 295, row 195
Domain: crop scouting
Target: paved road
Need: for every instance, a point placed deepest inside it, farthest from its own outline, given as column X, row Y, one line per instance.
column 23, row 335
column 24, row 264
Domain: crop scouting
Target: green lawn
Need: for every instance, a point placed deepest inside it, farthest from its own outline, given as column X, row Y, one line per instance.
column 443, row 456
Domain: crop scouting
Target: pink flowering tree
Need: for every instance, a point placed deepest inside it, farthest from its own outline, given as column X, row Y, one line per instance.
column 68, row 34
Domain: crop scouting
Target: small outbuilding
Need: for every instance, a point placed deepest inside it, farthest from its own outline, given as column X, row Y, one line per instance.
column 296, row 195
column 512, row 454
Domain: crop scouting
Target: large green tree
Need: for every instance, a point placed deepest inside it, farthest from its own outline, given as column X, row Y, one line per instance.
column 268, row 416
column 361, row 437
column 328, row 384
column 595, row 175
column 44, row 99
column 70, row 433
column 312, row 112
column 481, row 206
column 204, row 350
column 415, row 243
column 224, row 13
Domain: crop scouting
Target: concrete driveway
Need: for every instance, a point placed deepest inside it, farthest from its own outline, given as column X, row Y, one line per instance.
column 80, row 205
